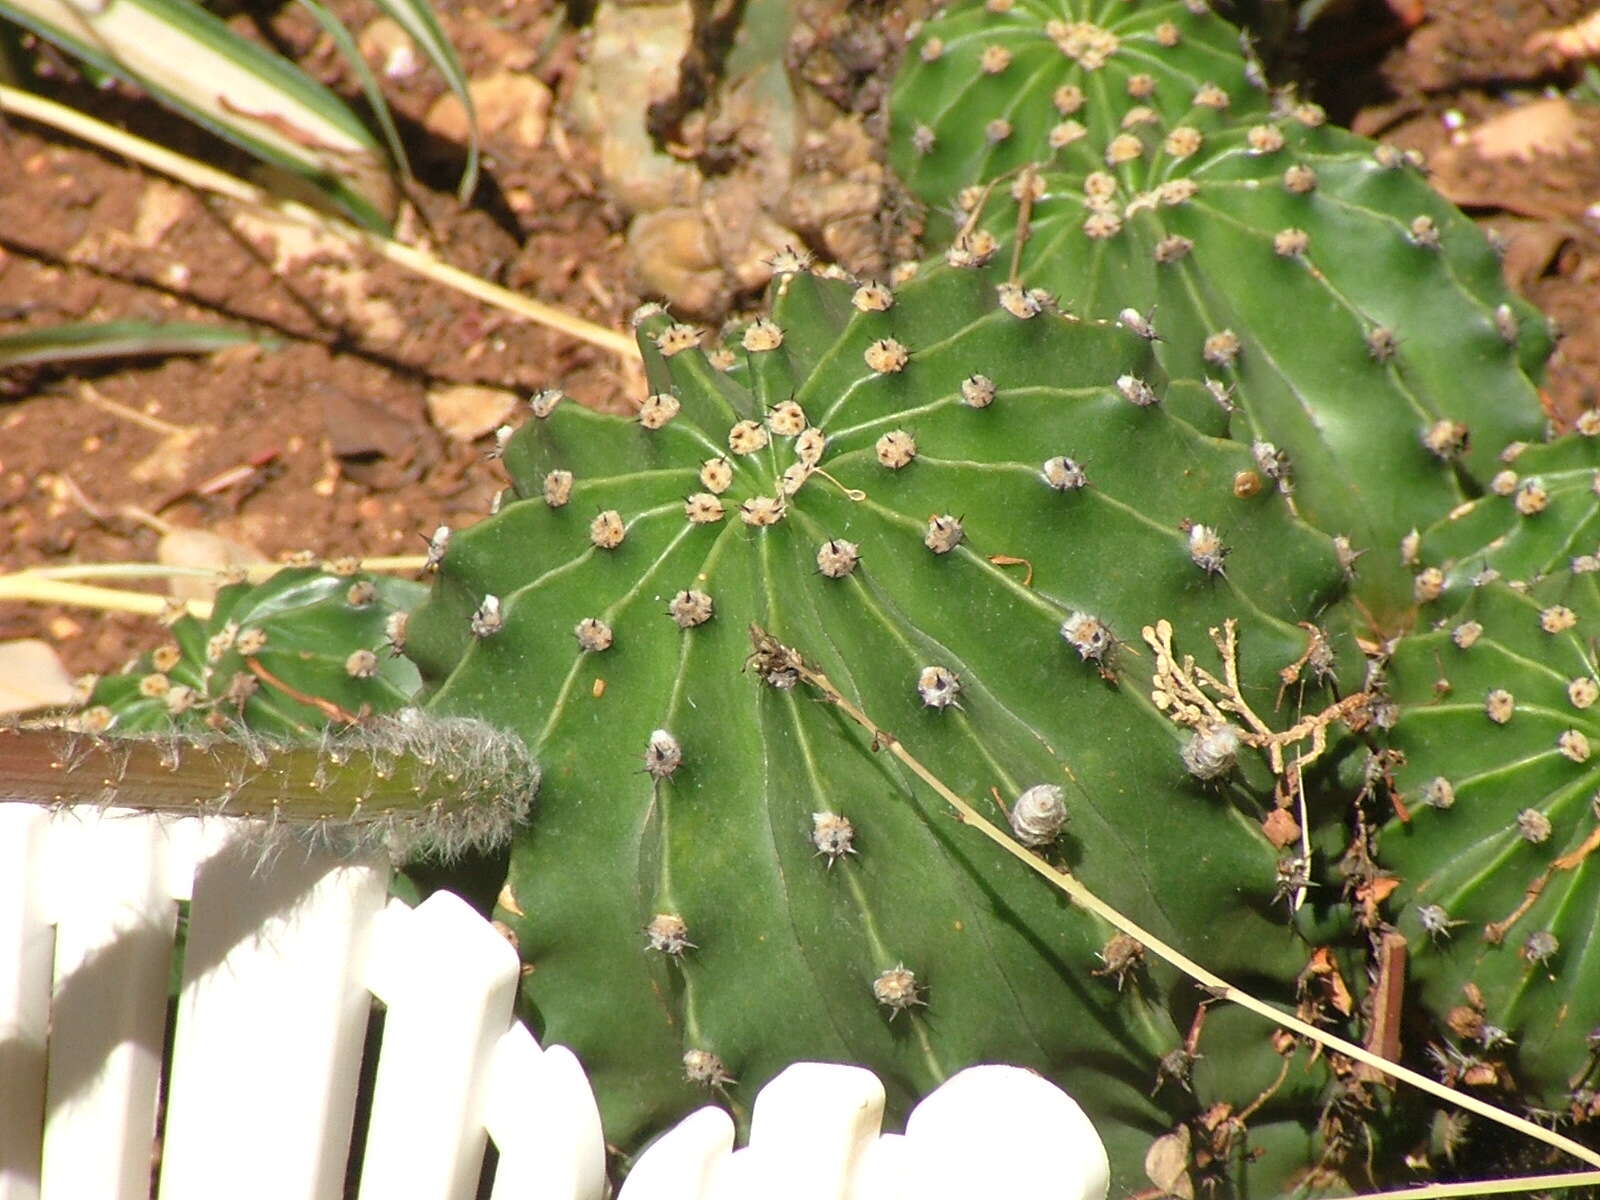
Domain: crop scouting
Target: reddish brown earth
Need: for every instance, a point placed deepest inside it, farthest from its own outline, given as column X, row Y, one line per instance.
column 355, row 465
column 348, row 460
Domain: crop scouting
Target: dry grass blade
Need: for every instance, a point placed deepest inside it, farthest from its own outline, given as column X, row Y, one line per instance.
column 58, row 585
column 40, row 590
column 118, row 339
column 254, row 572
column 1488, row 1187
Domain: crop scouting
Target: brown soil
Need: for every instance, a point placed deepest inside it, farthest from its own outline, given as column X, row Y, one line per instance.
column 352, row 464
column 346, row 458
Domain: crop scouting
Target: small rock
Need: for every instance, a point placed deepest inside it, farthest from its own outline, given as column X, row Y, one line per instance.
column 674, row 258
column 735, row 209
column 161, row 207
column 63, row 628
column 632, row 62
column 1560, row 46
column 358, row 428
column 389, row 47
column 510, row 106
column 32, row 677
column 201, row 548
column 467, row 411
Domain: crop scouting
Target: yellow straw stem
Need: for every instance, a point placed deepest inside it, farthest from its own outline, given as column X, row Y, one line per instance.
column 198, row 175
column 57, row 585
column 81, row 595
column 255, row 571
column 1487, row 1187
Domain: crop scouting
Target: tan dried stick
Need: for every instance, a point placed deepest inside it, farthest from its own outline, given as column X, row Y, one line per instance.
column 1487, row 1187
column 57, row 585
column 209, row 179
column 41, row 590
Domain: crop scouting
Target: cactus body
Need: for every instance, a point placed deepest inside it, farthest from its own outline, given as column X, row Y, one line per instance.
column 722, row 865
column 1353, row 318
column 1499, row 882
column 1063, row 78
column 1538, row 518
column 1187, row 359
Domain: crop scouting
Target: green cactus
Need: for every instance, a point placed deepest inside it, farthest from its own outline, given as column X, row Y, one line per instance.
column 1537, row 519
column 1489, row 829
column 1187, row 362
column 1351, row 322
column 965, row 516
column 988, row 89
column 324, row 646
column 1492, row 833
column 292, row 701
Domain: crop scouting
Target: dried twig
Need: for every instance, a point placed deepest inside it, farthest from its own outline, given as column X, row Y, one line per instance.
column 1195, row 698
column 57, row 585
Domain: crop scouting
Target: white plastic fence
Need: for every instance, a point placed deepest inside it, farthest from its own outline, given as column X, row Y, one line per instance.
column 249, row 1088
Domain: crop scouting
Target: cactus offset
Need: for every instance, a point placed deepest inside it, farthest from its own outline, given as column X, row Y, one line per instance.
column 284, row 658
column 408, row 784
column 1492, row 820
column 1064, row 81
column 1538, row 518
column 289, row 703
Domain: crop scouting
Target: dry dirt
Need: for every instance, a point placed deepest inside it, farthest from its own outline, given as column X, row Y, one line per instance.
column 329, row 440
column 335, row 419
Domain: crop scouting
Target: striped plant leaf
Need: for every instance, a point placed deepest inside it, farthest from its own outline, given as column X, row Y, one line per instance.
column 118, row 339
column 345, row 43
column 192, row 61
column 417, row 19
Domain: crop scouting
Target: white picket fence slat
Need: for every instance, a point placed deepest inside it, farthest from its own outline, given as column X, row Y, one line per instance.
column 815, row 1132
column 282, row 962
column 449, row 981
column 541, row 1115
column 271, row 1014
column 27, row 946
column 114, row 926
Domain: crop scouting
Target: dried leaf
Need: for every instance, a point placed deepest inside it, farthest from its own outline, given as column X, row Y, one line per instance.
column 1281, row 828
column 1166, row 1164
column 1543, row 127
column 467, row 411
